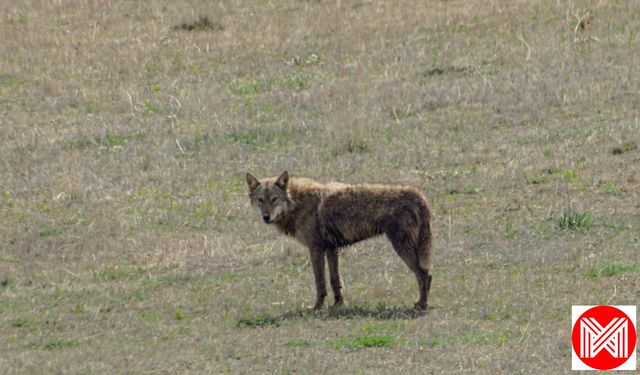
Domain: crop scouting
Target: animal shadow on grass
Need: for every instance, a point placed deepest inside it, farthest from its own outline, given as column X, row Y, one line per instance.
column 380, row 312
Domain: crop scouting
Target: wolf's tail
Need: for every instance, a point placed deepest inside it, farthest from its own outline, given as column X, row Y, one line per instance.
column 424, row 238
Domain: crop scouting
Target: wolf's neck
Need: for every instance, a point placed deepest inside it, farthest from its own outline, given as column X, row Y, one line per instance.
column 287, row 224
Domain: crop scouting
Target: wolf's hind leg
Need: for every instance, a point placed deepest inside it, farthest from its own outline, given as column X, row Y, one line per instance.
column 404, row 243
column 334, row 273
column 427, row 288
column 424, row 280
column 317, row 263
column 424, row 284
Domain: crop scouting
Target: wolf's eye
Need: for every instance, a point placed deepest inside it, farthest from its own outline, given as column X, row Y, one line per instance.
column 273, row 199
column 260, row 199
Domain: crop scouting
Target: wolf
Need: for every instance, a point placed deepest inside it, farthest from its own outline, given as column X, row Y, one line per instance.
column 326, row 217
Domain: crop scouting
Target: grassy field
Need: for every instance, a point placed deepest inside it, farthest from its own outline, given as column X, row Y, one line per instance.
column 127, row 239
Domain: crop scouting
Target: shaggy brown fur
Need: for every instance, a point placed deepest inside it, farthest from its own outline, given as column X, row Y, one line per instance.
column 325, row 217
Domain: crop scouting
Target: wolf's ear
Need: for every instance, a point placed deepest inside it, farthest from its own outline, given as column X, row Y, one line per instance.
column 252, row 182
column 283, row 180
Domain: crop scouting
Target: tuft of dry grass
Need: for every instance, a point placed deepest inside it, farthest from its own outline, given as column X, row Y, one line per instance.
column 203, row 23
column 128, row 244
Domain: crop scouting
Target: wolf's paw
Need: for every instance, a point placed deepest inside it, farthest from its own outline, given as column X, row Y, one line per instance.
column 420, row 305
column 338, row 302
column 315, row 307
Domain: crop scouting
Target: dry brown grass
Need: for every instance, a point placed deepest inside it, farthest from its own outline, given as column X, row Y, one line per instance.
column 127, row 240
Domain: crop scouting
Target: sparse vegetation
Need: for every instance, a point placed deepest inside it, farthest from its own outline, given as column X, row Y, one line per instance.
column 57, row 344
column 625, row 147
column 203, row 23
column 22, row 322
column 574, row 220
column 48, row 232
column 495, row 338
column 607, row 269
column 128, row 244
column 611, row 189
column 259, row 321
column 298, row 342
column 364, row 341
column 6, row 281
column 381, row 311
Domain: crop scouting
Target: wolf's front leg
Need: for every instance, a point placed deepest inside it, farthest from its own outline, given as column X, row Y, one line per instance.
column 334, row 275
column 317, row 262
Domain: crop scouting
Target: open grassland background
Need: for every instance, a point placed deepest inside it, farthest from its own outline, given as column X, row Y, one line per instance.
column 127, row 241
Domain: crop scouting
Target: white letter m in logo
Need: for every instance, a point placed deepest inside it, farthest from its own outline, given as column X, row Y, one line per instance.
column 612, row 338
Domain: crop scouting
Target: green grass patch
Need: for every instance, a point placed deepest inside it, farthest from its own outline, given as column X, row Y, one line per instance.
column 198, row 139
column 48, row 232
column 574, row 220
column 23, row 19
column 540, row 178
column 246, row 86
column 246, row 137
column 606, row 269
column 178, row 315
column 90, row 107
column 625, row 147
column 7, row 281
column 610, row 188
column 115, row 273
column 204, row 209
column 118, row 140
column 55, row 344
column 367, row 341
column 470, row 190
column 153, row 65
column 259, row 321
column 10, row 80
column 132, row 294
column 114, row 140
column 572, row 176
column 150, row 108
column 383, row 328
column 510, row 232
column 266, row 114
column 496, row 316
column 22, row 322
column 433, row 341
column 297, row 82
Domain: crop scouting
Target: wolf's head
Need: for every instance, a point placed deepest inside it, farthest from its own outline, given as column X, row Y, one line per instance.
column 269, row 196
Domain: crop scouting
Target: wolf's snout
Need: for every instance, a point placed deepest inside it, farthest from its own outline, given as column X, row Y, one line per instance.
column 265, row 218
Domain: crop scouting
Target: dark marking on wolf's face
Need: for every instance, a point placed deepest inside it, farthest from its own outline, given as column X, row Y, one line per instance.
column 269, row 197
